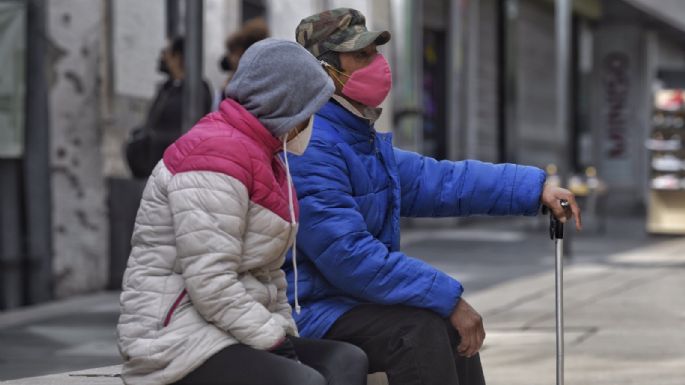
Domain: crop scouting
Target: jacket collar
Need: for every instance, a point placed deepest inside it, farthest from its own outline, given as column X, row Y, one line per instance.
column 243, row 121
column 368, row 113
column 355, row 125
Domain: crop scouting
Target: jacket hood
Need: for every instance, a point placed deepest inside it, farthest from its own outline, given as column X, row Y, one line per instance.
column 280, row 83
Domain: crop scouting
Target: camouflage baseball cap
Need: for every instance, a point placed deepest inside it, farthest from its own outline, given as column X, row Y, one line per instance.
column 338, row 30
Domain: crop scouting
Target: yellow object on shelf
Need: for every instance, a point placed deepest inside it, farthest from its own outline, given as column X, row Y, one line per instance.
column 666, row 214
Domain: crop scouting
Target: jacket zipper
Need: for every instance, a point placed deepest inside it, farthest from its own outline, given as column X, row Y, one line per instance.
column 169, row 314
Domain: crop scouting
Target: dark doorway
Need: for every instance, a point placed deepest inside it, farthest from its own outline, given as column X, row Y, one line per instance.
column 434, row 93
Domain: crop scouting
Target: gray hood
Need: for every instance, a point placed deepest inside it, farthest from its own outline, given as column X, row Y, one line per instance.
column 280, row 83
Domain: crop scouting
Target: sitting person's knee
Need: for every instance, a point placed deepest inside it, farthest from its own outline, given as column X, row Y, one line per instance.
column 304, row 375
column 353, row 357
column 426, row 327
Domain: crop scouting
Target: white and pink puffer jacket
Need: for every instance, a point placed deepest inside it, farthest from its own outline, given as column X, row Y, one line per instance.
column 210, row 236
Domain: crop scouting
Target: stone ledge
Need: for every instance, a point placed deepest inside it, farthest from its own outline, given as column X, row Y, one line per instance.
column 109, row 375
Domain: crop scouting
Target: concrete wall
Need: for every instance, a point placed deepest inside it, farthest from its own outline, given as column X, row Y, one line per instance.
column 78, row 189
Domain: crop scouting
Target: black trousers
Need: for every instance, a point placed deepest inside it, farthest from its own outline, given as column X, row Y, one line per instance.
column 323, row 363
column 413, row 346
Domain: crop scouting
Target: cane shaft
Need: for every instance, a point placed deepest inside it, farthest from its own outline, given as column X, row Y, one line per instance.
column 559, row 283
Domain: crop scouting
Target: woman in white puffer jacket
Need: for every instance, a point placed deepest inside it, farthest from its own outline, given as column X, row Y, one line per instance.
column 204, row 298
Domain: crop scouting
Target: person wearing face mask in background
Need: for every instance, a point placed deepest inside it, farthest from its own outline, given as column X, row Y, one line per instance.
column 163, row 125
column 204, row 296
column 237, row 43
column 355, row 284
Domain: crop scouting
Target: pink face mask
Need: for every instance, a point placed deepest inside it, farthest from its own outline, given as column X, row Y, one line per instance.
column 369, row 85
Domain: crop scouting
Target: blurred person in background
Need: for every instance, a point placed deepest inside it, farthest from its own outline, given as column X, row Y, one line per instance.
column 353, row 186
column 204, row 297
column 237, row 43
column 164, row 123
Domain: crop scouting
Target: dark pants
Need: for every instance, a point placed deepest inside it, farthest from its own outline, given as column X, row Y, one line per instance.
column 413, row 346
column 323, row 363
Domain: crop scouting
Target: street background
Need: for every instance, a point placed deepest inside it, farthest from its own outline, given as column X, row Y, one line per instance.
column 623, row 292
column 597, row 101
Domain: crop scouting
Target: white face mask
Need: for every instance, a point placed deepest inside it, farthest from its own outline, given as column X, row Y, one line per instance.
column 299, row 143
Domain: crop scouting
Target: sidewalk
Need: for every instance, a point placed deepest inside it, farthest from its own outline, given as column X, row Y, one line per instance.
column 624, row 322
column 624, row 311
column 61, row 336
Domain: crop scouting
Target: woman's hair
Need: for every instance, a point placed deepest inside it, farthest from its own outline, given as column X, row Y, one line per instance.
column 251, row 32
column 177, row 45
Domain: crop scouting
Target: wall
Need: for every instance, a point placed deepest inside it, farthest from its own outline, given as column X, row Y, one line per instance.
column 285, row 15
column 78, row 191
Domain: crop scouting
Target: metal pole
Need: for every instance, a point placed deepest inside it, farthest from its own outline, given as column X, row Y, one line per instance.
column 192, row 82
column 563, row 43
column 173, row 12
column 407, row 74
column 472, row 86
column 37, row 159
column 508, row 87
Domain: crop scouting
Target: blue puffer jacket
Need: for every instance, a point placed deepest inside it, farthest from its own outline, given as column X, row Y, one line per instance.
column 353, row 186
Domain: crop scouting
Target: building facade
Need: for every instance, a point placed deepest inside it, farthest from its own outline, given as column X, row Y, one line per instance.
column 472, row 79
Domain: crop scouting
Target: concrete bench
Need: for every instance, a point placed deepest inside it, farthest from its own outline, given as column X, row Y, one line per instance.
column 110, row 376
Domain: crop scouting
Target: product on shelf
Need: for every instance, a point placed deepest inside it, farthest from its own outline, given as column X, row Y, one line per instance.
column 669, row 100
column 666, row 182
column 666, row 146
column 667, row 163
column 673, row 144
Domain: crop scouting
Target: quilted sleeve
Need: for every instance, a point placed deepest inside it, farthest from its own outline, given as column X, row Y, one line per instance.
column 347, row 254
column 432, row 188
column 209, row 211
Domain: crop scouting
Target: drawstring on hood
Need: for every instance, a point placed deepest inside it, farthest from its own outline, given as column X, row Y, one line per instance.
column 293, row 222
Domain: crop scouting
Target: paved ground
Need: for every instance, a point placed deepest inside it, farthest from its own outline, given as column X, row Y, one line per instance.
column 624, row 309
column 624, row 322
column 62, row 336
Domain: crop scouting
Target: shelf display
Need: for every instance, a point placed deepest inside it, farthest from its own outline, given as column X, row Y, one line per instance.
column 666, row 144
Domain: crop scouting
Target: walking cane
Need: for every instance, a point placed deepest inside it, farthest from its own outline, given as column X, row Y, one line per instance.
column 556, row 232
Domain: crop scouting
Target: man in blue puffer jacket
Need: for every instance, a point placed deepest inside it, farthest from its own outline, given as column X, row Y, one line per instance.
column 353, row 282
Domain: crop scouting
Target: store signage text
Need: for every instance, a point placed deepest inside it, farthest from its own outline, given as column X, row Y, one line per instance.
column 616, row 85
